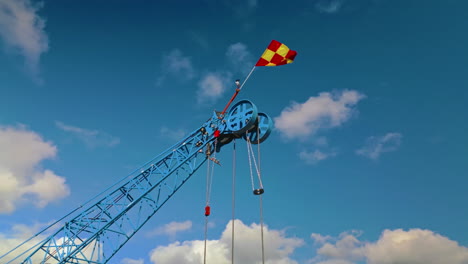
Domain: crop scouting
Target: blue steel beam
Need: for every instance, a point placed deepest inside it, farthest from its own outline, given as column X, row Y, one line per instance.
column 96, row 235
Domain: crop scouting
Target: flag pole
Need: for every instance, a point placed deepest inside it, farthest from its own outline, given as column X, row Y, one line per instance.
column 238, row 89
column 248, row 76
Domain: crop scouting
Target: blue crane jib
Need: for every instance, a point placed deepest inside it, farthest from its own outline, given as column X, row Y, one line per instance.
column 97, row 233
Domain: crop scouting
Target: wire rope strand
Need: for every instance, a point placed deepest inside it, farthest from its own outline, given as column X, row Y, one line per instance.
column 250, row 163
column 261, row 186
column 206, row 237
column 255, row 164
column 207, row 202
column 258, row 149
column 207, row 195
column 212, row 171
column 233, row 199
column 209, row 183
column 261, row 226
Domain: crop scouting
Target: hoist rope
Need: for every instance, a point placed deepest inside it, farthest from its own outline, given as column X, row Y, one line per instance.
column 212, row 169
column 261, row 198
column 208, row 180
column 251, row 153
column 209, row 184
column 258, row 148
column 206, row 206
column 261, row 228
column 250, row 163
column 209, row 175
column 206, row 234
column 233, row 199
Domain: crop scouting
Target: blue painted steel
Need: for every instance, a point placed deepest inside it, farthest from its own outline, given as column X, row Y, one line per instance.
column 96, row 234
column 242, row 117
column 262, row 129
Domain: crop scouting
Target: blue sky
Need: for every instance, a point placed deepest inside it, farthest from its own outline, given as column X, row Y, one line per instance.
column 367, row 162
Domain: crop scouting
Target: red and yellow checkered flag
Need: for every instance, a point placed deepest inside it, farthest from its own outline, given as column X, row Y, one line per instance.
column 276, row 54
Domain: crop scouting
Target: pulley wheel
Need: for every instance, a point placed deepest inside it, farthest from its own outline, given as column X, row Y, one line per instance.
column 261, row 130
column 242, row 117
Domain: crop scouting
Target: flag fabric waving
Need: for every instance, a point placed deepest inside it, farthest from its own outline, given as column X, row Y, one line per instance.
column 276, row 54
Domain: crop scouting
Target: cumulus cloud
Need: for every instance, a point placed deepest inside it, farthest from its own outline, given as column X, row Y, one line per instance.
column 315, row 156
column 375, row 146
column 240, row 57
column 329, row 6
column 324, row 111
column 172, row 229
column 212, row 86
column 335, row 261
column 176, row 64
column 346, row 248
column 92, row 138
column 320, row 239
column 21, row 176
column 15, row 236
column 132, row 261
column 173, row 134
column 278, row 248
column 22, row 29
column 415, row 246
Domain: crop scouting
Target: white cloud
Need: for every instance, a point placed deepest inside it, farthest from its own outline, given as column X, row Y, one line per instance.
column 315, row 156
column 320, row 239
column 23, row 29
column 132, row 261
column 278, row 248
column 375, row 146
column 172, row 229
column 212, row 86
column 20, row 174
column 321, row 141
column 346, row 248
column 329, row 6
column 17, row 235
column 335, row 261
column 324, row 111
column 176, row 64
column 47, row 187
column 173, row 134
column 415, row 246
column 240, row 57
column 92, row 138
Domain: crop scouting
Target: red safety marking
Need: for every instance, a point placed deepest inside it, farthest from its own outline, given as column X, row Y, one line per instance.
column 216, row 133
column 207, row 210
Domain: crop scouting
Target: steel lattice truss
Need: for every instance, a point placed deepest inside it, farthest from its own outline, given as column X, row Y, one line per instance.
column 96, row 234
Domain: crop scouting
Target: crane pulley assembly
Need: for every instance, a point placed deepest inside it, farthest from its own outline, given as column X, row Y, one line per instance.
column 95, row 234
